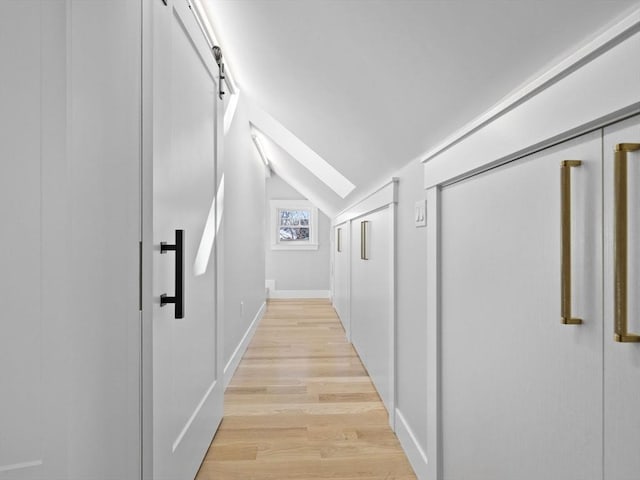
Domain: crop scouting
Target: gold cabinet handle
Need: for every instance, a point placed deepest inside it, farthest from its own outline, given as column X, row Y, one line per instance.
column 620, row 243
column 364, row 228
column 565, row 208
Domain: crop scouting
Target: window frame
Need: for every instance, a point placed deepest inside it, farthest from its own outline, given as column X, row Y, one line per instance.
column 278, row 205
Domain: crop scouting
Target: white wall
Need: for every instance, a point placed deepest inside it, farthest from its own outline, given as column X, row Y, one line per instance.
column 303, row 270
column 243, row 236
column 410, row 356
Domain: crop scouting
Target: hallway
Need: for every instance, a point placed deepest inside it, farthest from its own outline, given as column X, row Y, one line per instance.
column 302, row 406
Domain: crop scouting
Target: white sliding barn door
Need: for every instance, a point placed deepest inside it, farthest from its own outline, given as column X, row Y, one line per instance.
column 622, row 360
column 69, row 221
column 34, row 257
column 521, row 392
column 186, row 364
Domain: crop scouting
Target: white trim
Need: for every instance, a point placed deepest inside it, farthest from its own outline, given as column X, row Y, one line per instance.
column 293, row 246
column 595, row 47
column 383, row 196
column 393, row 207
column 432, row 342
column 234, row 361
column 600, row 92
column 193, row 416
column 299, row 294
column 414, row 451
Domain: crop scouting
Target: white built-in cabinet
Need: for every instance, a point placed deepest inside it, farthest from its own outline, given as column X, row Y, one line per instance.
column 530, row 387
column 621, row 360
column 371, row 298
column 533, row 266
column 519, row 386
column 364, row 285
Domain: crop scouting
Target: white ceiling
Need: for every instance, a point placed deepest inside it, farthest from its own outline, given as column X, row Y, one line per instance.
column 372, row 84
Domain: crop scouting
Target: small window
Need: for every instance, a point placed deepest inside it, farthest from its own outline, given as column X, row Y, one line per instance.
column 294, row 225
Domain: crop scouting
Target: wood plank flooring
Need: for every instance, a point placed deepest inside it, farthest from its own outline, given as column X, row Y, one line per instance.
column 301, row 406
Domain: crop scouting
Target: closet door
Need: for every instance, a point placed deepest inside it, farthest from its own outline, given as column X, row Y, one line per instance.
column 35, row 330
column 187, row 342
column 371, row 299
column 622, row 359
column 521, row 391
column 70, row 226
column 341, row 275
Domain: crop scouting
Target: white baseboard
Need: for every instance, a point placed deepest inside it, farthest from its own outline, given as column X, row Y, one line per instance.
column 415, row 453
column 234, row 361
column 298, row 293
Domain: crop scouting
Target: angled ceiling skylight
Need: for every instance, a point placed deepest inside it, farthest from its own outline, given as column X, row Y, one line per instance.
column 295, row 147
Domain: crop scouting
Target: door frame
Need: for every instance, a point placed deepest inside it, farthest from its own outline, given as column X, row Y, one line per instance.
column 548, row 111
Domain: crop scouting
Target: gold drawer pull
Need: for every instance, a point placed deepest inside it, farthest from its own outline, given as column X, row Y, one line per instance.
column 620, row 243
column 565, row 207
column 364, row 241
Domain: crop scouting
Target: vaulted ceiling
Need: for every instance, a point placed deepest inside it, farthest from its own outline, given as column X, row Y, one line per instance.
column 370, row 85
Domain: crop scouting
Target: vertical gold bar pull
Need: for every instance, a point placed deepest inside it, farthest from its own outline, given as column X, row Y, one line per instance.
column 621, row 333
column 364, row 227
column 565, row 207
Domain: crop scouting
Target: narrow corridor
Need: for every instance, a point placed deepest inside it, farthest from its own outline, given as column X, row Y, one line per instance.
column 301, row 406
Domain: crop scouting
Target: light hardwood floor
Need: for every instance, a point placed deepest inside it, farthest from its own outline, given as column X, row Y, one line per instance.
column 301, row 406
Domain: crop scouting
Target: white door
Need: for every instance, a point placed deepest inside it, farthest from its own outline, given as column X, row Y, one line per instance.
column 371, row 299
column 622, row 360
column 69, row 236
column 33, row 311
column 521, row 391
column 341, row 248
column 187, row 371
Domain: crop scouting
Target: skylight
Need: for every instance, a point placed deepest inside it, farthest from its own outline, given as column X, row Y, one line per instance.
column 295, row 147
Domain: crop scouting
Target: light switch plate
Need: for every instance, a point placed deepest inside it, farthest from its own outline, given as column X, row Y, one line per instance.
column 420, row 213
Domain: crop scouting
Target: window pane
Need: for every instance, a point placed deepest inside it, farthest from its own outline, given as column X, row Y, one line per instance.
column 293, row 234
column 294, row 224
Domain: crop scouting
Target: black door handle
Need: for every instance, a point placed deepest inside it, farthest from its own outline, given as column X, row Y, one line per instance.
column 178, row 299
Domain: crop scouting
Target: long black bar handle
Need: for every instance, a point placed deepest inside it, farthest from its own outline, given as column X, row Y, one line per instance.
column 178, row 300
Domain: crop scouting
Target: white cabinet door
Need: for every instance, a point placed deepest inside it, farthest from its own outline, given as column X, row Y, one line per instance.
column 341, row 248
column 622, row 360
column 371, row 299
column 187, row 371
column 521, row 392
